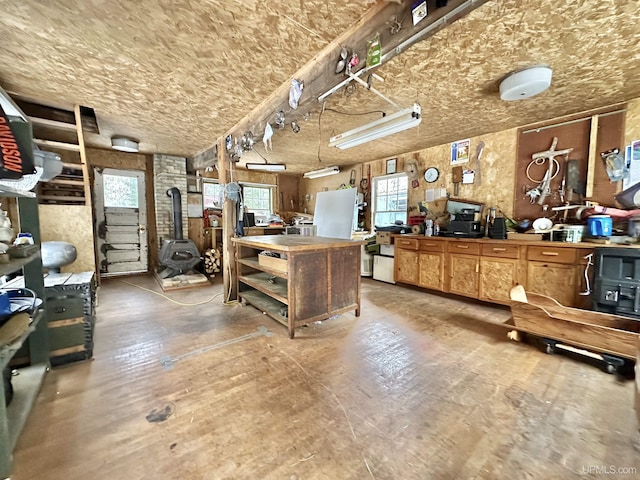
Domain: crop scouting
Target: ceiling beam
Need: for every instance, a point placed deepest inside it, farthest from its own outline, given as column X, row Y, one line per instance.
column 319, row 74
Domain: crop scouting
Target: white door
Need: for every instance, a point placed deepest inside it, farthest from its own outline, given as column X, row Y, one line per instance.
column 121, row 214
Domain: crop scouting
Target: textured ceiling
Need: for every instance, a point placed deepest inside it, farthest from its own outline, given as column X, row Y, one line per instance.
column 177, row 75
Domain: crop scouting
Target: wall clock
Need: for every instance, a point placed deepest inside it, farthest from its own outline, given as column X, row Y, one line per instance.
column 431, row 174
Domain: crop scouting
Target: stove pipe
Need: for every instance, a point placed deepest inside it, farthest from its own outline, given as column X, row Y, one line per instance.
column 174, row 193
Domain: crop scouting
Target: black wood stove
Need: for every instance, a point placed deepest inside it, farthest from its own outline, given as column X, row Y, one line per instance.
column 617, row 281
column 177, row 256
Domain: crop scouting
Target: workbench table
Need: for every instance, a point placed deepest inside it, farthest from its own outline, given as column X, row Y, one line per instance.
column 319, row 278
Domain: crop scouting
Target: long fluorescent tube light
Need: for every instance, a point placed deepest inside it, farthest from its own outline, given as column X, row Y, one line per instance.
column 267, row 167
column 394, row 123
column 322, row 173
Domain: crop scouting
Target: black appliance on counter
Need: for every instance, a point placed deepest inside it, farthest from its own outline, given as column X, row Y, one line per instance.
column 463, row 229
column 616, row 288
column 497, row 229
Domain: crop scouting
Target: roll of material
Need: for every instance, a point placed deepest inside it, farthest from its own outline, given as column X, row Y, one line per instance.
column 417, row 229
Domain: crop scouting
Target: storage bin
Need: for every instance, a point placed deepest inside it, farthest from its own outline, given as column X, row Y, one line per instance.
column 383, row 238
column 279, row 264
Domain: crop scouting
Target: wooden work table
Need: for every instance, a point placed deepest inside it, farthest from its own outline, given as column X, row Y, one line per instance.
column 318, row 277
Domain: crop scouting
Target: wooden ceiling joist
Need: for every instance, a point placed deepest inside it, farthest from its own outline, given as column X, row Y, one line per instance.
column 60, row 145
column 45, row 122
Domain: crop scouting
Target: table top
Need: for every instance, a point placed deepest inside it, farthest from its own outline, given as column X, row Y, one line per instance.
column 292, row 243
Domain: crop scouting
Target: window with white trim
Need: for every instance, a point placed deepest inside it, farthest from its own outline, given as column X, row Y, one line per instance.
column 212, row 194
column 390, row 199
column 258, row 199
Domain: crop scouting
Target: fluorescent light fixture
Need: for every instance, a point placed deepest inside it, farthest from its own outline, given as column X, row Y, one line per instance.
column 124, row 144
column 322, row 173
column 388, row 125
column 10, row 108
column 267, row 167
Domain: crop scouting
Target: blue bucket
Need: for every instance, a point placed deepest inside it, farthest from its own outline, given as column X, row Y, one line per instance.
column 600, row 225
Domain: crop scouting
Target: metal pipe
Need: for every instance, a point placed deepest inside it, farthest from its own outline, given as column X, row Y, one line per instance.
column 176, row 200
column 570, row 122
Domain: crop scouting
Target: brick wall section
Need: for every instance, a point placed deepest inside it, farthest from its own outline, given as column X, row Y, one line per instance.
column 168, row 172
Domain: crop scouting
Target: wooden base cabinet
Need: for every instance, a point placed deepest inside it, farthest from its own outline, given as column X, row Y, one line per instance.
column 463, row 275
column 431, row 273
column 500, row 271
column 488, row 269
column 551, row 271
column 497, row 277
column 464, row 267
column 406, row 261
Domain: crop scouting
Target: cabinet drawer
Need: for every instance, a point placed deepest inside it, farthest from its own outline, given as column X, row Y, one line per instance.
column 500, row 250
column 407, row 243
column 431, row 246
column 468, row 248
column 64, row 307
column 552, row 254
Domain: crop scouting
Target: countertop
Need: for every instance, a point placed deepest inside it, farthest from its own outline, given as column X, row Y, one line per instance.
column 541, row 243
column 292, row 243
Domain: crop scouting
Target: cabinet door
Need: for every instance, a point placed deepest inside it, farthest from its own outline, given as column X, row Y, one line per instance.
column 406, row 266
column 463, row 275
column 431, row 270
column 554, row 280
column 497, row 277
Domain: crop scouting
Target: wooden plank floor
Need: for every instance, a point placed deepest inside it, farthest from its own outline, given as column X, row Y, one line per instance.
column 416, row 388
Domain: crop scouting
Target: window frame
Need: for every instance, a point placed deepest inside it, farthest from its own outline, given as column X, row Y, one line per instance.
column 213, row 182
column 272, row 195
column 374, row 198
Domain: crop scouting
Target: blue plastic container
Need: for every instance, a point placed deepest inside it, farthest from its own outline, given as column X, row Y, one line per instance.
column 600, row 225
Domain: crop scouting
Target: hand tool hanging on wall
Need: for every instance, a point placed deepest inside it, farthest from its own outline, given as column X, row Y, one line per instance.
column 456, row 174
column 476, row 165
column 539, row 158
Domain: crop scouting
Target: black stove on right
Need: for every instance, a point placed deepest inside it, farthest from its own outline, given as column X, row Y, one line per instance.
column 616, row 287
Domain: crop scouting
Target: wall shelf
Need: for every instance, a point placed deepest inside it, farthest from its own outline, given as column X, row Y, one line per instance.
column 26, row 384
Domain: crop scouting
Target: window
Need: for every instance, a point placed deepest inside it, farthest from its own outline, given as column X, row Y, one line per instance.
column 258, row 199
column 390, row 194
column 120, row 191
column 212, row 195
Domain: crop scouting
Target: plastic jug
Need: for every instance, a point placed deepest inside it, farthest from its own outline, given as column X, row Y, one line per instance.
column 600, row 225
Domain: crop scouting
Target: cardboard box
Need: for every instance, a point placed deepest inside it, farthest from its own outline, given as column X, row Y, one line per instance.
column 279, row 264
column 383, row 238
column 524, row 237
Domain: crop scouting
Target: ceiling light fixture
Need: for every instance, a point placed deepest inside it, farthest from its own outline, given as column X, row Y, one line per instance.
column 388, row 125
column 267, row 167
column 124, row 144
column 322, row 172
column 525, row 83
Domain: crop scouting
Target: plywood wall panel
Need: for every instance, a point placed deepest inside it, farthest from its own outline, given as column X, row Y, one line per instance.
column 632, row 122
column 113, row 159
column 73, row 224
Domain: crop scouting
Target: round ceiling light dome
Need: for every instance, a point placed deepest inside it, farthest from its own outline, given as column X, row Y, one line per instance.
column 124, row 144
column 525, row 83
